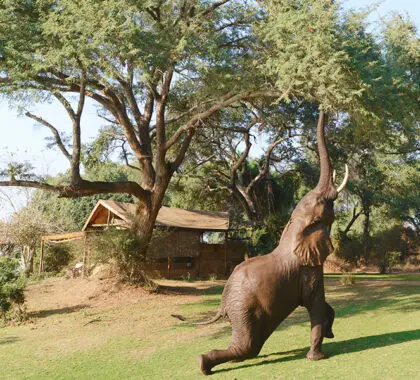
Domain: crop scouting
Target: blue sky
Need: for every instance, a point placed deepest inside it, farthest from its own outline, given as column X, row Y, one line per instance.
column 23, row 140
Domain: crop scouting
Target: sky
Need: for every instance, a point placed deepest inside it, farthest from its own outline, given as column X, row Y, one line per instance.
column 22, row 139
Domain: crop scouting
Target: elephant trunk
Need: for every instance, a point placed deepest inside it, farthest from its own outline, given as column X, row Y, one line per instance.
column 325, row 183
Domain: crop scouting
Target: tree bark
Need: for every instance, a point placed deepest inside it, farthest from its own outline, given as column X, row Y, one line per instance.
column 350, row 224
column 366, row 235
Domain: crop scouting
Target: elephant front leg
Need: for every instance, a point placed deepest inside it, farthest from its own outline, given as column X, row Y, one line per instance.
column 317, row 315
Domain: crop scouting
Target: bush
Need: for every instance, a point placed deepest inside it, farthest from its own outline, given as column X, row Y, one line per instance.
column 260, row 242
column 123, row 248
column 347, row 279
column 390, row 260
column 56, row 257
column 12, row 283
column 349, row 249
column 212, row 277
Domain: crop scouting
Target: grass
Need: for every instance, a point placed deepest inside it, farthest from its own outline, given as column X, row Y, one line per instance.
column 374, row 276
column 377, row 333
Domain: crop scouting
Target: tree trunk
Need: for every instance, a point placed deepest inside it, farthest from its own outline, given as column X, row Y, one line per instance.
column 147, row 213
column 350, row 224
column 30, row 260
column 366, row 236
column 27, row 259
column 247, row 203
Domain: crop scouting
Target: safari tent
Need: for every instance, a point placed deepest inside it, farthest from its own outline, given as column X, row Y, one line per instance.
column 181, row 247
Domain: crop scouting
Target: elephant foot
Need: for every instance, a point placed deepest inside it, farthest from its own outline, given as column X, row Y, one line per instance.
column 329, row 334
column 315, row 355
column 204, row 365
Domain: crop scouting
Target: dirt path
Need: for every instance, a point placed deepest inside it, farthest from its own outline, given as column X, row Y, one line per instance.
column 60, row 295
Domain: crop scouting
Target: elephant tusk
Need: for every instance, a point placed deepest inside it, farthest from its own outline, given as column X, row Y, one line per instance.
column 334, row 175
column 344, row 183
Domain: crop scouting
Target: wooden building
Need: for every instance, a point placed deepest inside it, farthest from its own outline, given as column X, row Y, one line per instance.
column 179, row 246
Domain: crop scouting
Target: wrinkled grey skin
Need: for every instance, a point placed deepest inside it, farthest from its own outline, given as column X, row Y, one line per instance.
column 263, row 291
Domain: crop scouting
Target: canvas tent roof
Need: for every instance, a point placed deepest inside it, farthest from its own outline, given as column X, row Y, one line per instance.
column 168, row 216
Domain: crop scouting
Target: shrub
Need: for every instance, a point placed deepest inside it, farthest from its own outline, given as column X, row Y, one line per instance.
column 260, row 242
column 213, row 277
column 349, row 249
column 186, row 277
column 149, row 285
column 12, row 283
column 123, row 248
column 347, row 279
column 57, row 257
column 390, row 260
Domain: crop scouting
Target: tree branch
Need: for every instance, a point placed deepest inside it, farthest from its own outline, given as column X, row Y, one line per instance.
column 126, row 157
column 242, row 158
column 66, row 105
column 54, row 131
column 225, row 101
column 181, row 153
column 212, row 8
column 84, row 188
column 263, row 172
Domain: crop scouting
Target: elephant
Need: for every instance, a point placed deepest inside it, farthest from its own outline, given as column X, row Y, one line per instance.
column 262, row 291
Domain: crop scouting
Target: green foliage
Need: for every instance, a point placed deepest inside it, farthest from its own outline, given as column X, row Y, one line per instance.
column 308, row 53
column 124, row 249
column 12, row 283
column 347, row 279
column 260, row 242
column 350, row 249
column 57, row 257
column 212, row 277
column 264, row 239
column 71, row 214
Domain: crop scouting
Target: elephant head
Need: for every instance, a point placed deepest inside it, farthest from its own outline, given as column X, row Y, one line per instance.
column 307, row 232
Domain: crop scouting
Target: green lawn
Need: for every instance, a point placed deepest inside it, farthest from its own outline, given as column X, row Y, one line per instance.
column 377, row 337
column 374, row 276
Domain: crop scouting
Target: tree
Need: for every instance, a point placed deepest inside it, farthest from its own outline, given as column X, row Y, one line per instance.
column 221, row 158
column 24, row 230
column 161, row 70
column 12, row 285
column 70, row 214
column 141, row 62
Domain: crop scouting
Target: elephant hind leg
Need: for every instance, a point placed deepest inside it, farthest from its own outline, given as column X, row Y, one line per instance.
column 330, row 314
column 246, row 343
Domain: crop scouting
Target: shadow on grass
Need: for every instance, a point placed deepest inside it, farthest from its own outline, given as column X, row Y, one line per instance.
column 394, row 298
column 8, row 339
column 358, row 300
column 64, row 310
column 337, row 348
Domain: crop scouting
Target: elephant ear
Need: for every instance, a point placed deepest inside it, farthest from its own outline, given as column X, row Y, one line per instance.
column 313, row 245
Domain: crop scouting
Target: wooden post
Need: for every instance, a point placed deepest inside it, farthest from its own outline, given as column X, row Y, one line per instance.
column 41, row 258
column 169, row 266
column 108, row 219
column 226, row 241
column 198, row 263
column 84, row 254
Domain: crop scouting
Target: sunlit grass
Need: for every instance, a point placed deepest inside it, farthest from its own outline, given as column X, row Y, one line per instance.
column 377, row 333
column 374, row 276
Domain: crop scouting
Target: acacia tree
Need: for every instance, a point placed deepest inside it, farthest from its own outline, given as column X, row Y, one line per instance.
column 159, row 70
column 228, row 140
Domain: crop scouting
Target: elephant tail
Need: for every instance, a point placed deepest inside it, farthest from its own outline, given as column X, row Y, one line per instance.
column 214, row 319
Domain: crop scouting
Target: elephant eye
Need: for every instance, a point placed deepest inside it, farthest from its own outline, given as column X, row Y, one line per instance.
column 322, row 201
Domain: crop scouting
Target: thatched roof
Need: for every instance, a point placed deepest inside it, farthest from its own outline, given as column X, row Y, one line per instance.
column 119, row 213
